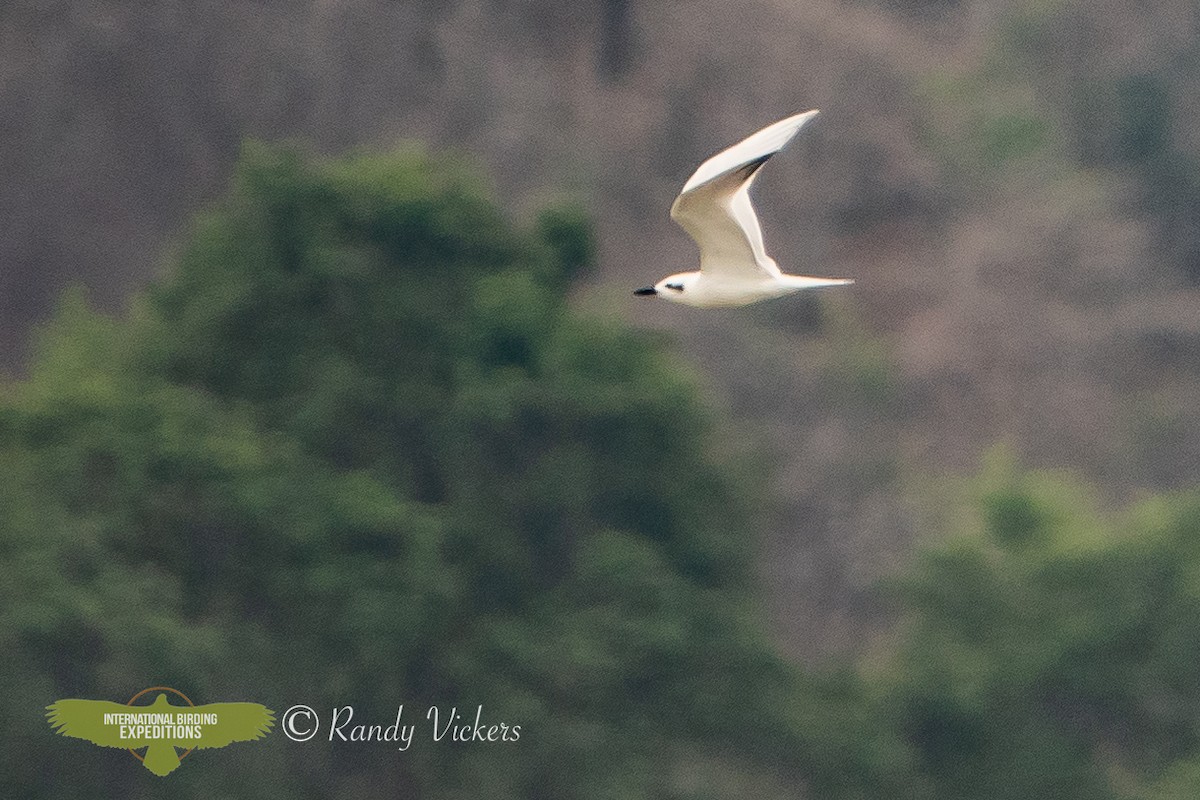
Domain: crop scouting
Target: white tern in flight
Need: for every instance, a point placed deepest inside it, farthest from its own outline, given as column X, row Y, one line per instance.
column 714, row 208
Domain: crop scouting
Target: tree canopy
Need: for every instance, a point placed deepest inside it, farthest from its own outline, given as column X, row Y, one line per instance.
column 355, row 448
column 1047, row 646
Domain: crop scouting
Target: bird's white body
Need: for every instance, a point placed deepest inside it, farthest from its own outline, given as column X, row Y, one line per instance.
column 714, row 208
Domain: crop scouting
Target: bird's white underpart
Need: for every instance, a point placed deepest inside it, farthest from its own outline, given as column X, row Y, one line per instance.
column 714, row 208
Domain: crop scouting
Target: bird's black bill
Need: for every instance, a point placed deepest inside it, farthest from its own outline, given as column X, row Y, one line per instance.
column 645, row 290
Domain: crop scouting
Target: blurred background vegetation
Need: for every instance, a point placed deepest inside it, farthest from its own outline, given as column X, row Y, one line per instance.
column 353, row 419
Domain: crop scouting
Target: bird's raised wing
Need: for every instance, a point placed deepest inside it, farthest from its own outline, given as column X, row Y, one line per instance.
column 236, row 722
column 714, row 206
column 84, row 719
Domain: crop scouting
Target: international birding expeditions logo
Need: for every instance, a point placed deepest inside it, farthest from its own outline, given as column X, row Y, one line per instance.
column 161, row 728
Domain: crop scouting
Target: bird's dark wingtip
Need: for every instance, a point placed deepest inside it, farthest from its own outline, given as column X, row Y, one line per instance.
column 645, row 290
column 749, row 168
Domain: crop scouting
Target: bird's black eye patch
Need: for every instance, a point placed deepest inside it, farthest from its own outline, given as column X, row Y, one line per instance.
column 676, row 286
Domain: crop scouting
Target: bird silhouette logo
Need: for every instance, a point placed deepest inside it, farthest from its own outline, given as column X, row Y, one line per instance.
column 161, row 728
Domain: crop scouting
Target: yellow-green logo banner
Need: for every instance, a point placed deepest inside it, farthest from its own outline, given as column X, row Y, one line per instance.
column 161, row 728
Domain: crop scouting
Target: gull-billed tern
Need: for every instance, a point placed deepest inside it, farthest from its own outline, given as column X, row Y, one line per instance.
column 714, row 208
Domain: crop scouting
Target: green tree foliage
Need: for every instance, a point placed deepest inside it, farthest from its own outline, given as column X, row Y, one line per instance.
column 356, row 449
column 1049, row 650
column 151, row 535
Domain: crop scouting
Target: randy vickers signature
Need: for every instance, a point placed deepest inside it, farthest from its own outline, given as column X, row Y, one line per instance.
column 301, row 723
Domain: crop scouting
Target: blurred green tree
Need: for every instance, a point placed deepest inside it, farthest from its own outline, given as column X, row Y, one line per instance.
column 1050, row 649
column 356, row 449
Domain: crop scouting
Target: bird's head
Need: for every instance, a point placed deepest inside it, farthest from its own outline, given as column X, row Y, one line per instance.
column 672, row 287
